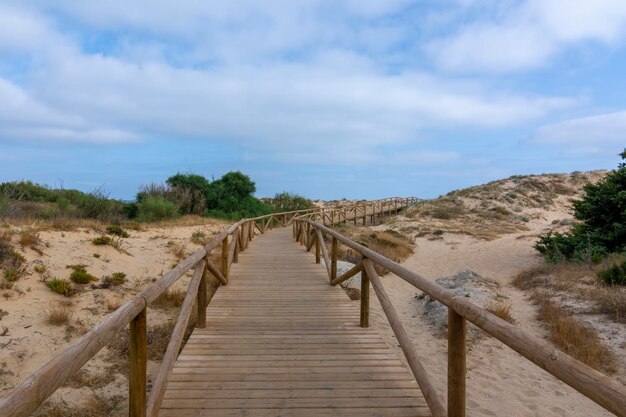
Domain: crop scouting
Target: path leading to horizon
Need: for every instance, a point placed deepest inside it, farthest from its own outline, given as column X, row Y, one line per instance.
column 280, row 341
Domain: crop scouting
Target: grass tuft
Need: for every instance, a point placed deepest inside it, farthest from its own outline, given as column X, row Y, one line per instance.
column 60, row 286
column 117, row 231
column 80, row 275
column 116, row 278
column 171, row 298
column 59, row 314
column 575, row 339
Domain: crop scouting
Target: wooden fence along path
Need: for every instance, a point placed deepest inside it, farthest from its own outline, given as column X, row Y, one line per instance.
column 280, row 339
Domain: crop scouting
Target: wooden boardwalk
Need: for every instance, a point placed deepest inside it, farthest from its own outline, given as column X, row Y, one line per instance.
column 280, row 341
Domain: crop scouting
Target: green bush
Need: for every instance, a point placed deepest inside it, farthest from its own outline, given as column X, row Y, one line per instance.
column 60, row 286
column 117, row 231
column 155, row 208
column 12, row 274
column 602, row 222
column 116, row 278
column 615, row 274
column 80, row 275
column 101, row 240
column 289, row 202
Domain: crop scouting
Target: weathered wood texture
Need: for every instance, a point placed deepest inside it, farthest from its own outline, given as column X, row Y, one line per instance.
column 280, row 341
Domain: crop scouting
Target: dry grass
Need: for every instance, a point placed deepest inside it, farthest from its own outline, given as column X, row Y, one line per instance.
column 189, row 220
column 83, row 378
column 575, row 339
column 96, row 406
column 29, row 238
column 113, row 305
column 578, row 281
column 171, row 298
column 59, row 313
column 389, row 243
column 200, row 238
column 178, row 250
column 501, row 308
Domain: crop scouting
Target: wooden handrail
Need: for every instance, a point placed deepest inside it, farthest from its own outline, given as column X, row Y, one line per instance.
column 35, row 389
column 598, row 387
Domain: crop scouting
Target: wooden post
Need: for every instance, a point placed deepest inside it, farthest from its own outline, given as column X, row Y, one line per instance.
column 317, row 250
column 333, row 259
column 137, row 357
column 365, row 299
column 225, row 257
column 355, row 215
column 364, row 215
column 456, row 364
column 201, row 323
column 308, row 236
column 235, row 250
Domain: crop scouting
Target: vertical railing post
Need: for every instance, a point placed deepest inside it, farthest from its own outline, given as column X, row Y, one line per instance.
column 201, row 323
column 365, row 299
column 225, row 257
column 456, row 364
column 137, row 358
column 365, row 215
column 308, row 235
column 333, row 259
column 317, row 250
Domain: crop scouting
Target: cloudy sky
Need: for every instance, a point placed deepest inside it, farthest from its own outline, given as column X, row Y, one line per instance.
column 330, row 99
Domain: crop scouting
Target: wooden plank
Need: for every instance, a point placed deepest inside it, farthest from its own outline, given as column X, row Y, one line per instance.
column 280, row 341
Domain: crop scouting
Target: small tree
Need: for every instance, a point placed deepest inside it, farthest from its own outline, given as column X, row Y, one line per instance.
column 602, row 228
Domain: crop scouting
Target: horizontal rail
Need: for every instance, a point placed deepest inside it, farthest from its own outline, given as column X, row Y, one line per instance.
column 605, row 391
column 36, row 388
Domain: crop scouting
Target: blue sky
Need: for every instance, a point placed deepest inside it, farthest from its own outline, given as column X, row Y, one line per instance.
column 329, row 99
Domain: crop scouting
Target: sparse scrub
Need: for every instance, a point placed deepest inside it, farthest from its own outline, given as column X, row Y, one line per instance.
column 60, row 286
column 116, row 278
column 96, row 406
column 80, row 275
column 177, row 249
column 575, row 339
column 12, row 274
column 389, row 243
column 171, row 298
column 101, row 240
column 199, row 238
column 30, row 239
column 59, row 314
column 40, row 269
column 117, row 231
column 614, row 274
column 500, row 308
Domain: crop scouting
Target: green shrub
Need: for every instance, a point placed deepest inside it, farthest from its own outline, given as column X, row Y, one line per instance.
column 116, row 278
column 615, row 274
column 101, row 240
column 602, row 228
column 4, row 203
column 155, row 208
column 117, row 231
column 80, row 275
column 60, row 286
column 289, row 202
column 12, row 274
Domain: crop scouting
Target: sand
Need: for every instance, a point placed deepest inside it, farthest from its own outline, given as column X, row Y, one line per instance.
column 500, row 382
column 30, row 341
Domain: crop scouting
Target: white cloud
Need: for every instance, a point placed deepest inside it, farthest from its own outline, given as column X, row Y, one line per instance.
column 594, row 134
column 529, row 33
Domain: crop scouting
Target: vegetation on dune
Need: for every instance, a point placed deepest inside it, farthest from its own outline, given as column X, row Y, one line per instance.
column 601, row 230
column 288, row 202
column 229, row 197
column 60, row 286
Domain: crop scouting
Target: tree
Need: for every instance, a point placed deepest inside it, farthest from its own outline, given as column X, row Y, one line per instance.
column 231, row 197
column 189, row 192
column 602, row 228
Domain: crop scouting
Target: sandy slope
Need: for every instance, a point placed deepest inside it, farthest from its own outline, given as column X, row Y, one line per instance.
column 30, row 341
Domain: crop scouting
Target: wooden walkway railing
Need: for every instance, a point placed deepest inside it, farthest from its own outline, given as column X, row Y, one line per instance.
column 605, row 391
column 207, row 277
